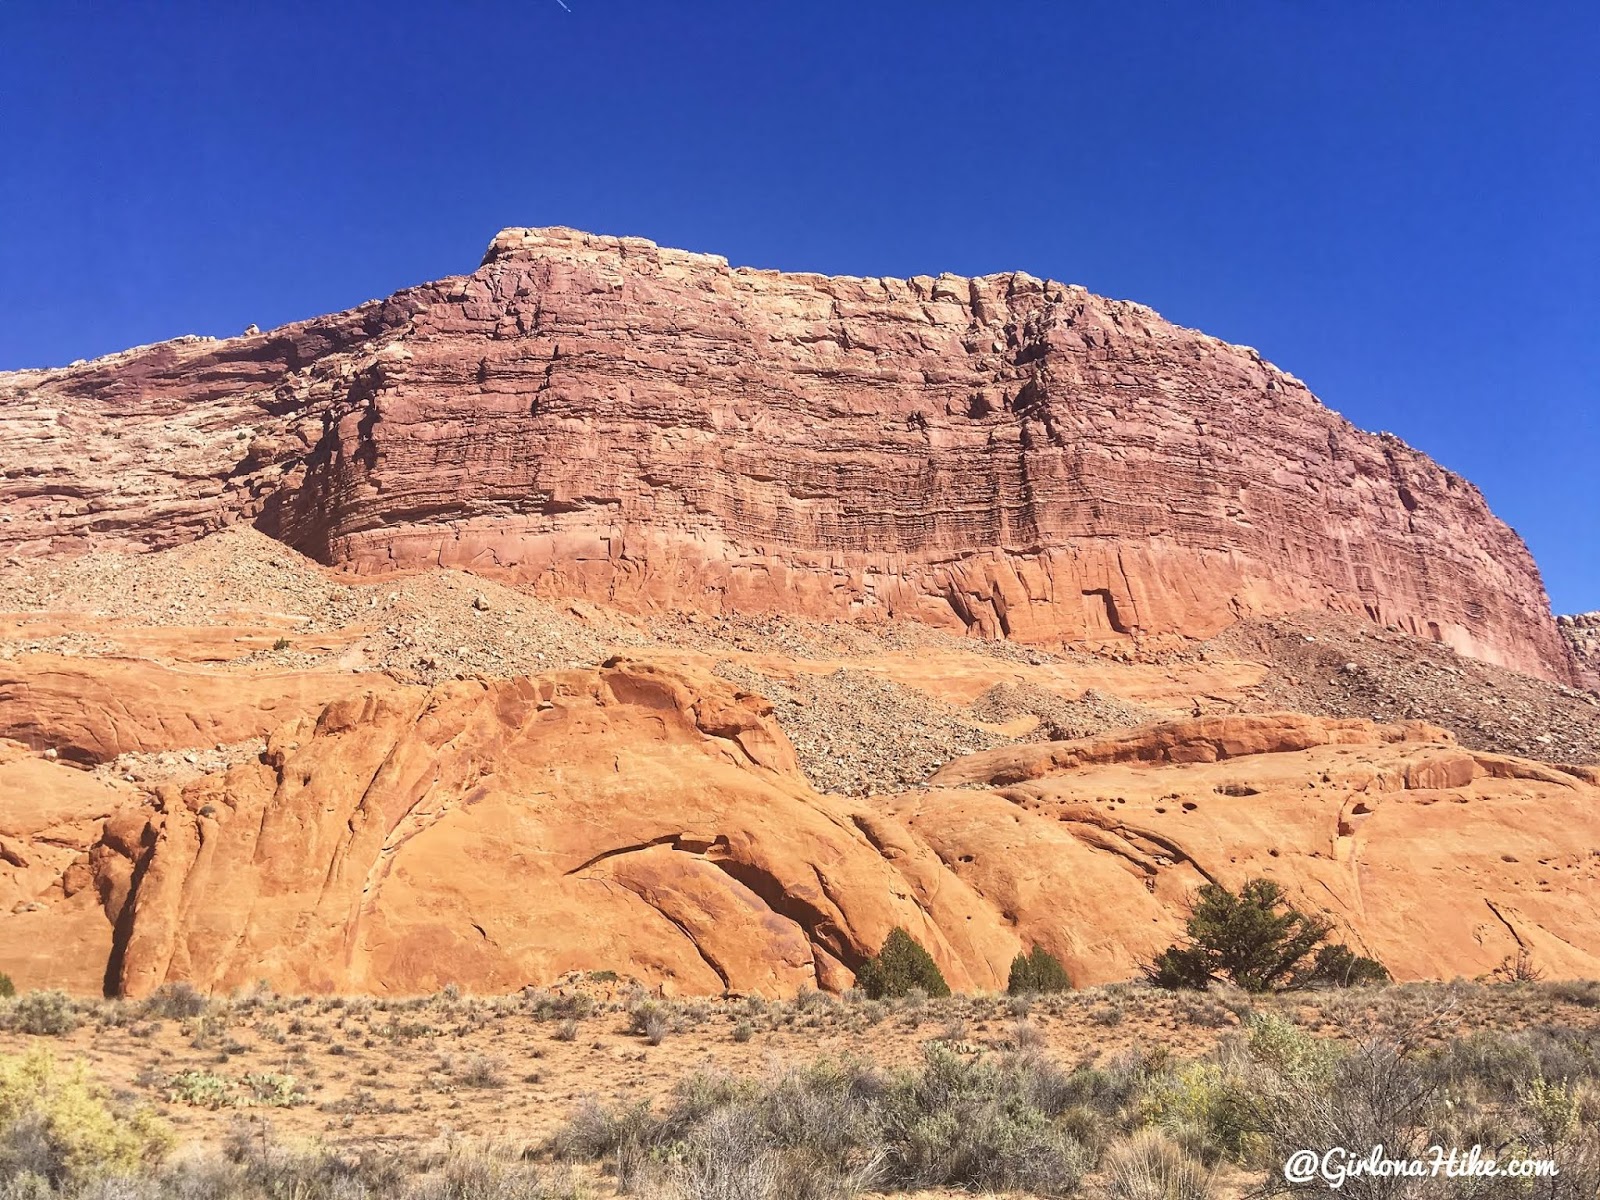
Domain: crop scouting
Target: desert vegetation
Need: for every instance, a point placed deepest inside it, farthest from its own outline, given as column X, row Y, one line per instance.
column 1256, row 940
column 1143, row 1125
column 1037, row 971
column 1124, row 1091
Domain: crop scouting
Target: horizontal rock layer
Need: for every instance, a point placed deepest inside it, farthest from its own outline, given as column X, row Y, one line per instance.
column 605, row 418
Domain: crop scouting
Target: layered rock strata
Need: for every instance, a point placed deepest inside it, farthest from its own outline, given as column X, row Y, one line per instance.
column 600, row 417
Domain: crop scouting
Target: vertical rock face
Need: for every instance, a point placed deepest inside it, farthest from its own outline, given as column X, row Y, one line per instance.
column 602, row 417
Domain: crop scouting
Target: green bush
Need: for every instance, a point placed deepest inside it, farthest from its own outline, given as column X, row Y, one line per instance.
column 902, row 966
column 1339, row 966
column 1260, row 942
column 1039, row 971
column 1206, row 1103
column 1287, row 1049
column 7, row 988
column 57, row 1125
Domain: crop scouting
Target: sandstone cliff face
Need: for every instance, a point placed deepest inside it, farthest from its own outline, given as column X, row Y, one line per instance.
column 600, row 417
column 496, row 834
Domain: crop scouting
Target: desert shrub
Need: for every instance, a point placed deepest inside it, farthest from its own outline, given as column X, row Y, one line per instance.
column 254, row 1166
column 7, row 988
column 1337, row 965
column 174, row 1002
column 1496, row 1065
column 1490, row 1062
column 1374, row 1095
column 1107, row 1014
column 42, row 1013
column 59, row 1127
column 476, row 1175
column 595, row 1132
column 978, row 1124
column 543, row 1005
column 1149, row 1165
column 480, row 1071
column 1113, row 1088
column 651, row 1021
column 1023, row 1035
column 1206, row 1105
column 1558, row 1121
column 1037, row 971
column 1517, row 968
column 1582, row 992
column 900, row 968
column 1258, row 941
column 1285, row 1048
column 833, row 1129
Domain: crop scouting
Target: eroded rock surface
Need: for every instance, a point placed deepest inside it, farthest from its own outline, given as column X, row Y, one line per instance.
column 1582, row 632
column 501, row 833
column 603, row 418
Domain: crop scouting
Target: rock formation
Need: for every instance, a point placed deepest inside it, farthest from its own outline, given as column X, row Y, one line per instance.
column 496, row 834
column 1582, row 631
column 222, row 762
column 598, row 417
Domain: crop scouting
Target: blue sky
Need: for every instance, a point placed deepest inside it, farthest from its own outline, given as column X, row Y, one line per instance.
column 1400, row 203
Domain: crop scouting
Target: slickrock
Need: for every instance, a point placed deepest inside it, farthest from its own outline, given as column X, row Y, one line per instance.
column 1436, row 862
column 500, row 834
column 496, row 834
column 92, row 710
column 220, row 762
column 599, row 417
column 1201, row 740
column 53, row 924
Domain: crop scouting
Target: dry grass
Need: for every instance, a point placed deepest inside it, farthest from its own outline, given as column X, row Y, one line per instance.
column 360, row 1075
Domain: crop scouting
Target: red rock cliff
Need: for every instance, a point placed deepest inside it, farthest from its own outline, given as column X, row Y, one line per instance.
column 601, row 417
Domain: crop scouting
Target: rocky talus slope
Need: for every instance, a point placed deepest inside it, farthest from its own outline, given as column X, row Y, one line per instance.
column 223, row 762
column 601, row 418
column 1582, row 632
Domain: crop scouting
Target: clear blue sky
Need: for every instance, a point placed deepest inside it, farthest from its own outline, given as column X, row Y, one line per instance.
column 1400, row 203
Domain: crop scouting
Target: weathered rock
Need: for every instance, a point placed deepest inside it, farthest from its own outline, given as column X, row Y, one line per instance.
column 648, row 821
column 1202, row 740
column 53, row 925
column 600, row 417
column 500, row 834
column 1582, row 631
column 1095, row 862
column 90, row 710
